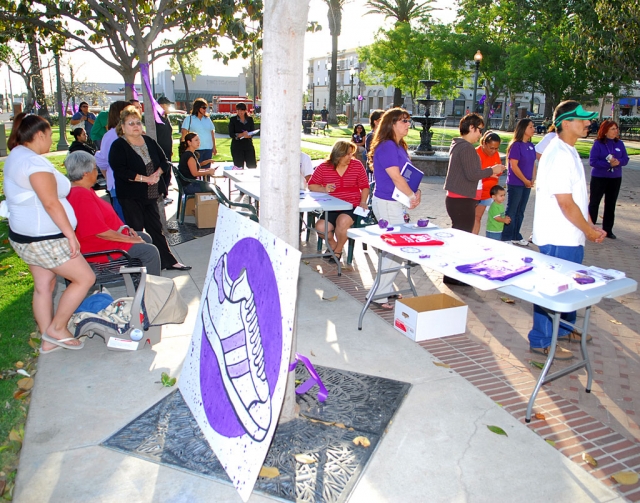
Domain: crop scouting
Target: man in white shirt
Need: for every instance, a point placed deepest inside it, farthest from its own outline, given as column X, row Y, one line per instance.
column 561, row 223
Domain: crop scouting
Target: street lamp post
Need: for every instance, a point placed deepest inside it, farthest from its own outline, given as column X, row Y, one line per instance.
column 173, row 86
column 313, row 97
column 352, row 74
column 478, row 59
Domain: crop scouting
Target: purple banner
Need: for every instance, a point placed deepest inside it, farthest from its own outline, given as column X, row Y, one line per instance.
column 312, row 381
column 157, row 109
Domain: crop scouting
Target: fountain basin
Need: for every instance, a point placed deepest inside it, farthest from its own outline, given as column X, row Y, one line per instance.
column 435, row 164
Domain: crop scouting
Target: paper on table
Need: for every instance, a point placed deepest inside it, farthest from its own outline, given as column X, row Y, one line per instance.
column 360, row 211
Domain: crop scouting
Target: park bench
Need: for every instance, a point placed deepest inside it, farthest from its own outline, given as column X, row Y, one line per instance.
column 319, row 126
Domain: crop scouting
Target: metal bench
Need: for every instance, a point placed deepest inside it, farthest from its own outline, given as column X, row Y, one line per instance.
column 319, row 126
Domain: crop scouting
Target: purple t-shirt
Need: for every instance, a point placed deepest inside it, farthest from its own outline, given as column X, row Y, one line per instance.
column 387, row 154
column 525, row 154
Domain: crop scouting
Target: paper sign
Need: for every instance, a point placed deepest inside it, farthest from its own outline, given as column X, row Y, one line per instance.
column 359, row 210
column 235, row 372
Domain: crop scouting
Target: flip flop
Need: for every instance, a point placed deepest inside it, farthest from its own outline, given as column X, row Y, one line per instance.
column 61, row 342
column 395, row 296
column 381, row 306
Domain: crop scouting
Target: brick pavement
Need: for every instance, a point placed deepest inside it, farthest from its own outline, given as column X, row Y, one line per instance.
column 494, row 353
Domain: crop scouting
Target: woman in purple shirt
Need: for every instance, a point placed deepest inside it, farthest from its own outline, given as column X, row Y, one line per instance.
column 521, row 155
column 607, row 158
column 388, row 155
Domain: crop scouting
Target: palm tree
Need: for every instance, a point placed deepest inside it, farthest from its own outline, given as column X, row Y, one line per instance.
column 335, row 27
column 403, row 11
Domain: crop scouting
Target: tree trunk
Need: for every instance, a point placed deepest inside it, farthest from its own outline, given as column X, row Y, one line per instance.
column 615, row 115
column 129, row 76
column 149, row 116
column 512, row 112
column 504, row 109
column 36, row 79
column 602, row 102
column 397, row 97
column 284, row 29
column 333, row 80
column 186, row 85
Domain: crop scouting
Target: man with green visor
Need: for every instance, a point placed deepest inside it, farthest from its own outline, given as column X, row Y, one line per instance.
column 561, row 222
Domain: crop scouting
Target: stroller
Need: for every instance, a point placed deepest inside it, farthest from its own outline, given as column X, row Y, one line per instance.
column 128, row 323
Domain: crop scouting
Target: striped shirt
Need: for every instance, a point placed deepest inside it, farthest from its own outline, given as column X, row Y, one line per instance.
column 348, row 186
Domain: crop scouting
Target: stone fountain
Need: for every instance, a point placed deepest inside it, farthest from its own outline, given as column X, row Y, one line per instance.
column 425, row 157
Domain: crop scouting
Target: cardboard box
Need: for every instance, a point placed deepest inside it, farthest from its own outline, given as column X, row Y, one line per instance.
column 190, row 208
column 206, row 210
column 430, row 317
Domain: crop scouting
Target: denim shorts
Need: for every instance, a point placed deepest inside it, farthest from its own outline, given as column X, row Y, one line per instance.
column 494, row 235
column 485, row 202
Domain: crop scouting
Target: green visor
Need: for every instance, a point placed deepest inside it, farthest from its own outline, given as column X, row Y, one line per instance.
column 577, row 113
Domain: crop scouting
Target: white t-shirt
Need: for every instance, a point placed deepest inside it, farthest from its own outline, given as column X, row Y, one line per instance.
column 28, row 216
column 560, row 171
column 306, row 169
column 540, row 147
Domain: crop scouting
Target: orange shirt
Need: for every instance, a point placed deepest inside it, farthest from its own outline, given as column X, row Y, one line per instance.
column 486, row 162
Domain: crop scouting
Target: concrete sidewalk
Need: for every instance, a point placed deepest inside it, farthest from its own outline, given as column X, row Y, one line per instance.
column 437, row 448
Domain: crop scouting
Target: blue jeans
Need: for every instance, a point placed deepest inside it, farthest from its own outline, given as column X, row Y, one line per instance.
column 205, row 154
column 494, row 235
column 540, row 334
column 517, row 198
column 116, row 204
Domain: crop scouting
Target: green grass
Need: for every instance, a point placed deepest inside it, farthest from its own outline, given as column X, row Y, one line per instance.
column 16, row 323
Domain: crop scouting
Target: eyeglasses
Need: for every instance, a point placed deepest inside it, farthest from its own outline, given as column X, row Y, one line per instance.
column 134, row 123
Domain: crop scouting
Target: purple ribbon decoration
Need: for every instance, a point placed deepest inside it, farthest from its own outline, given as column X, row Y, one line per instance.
column 76, row 108
column 312, row 381
column 482, row 99
column 157, row 109
column 136, row 94
column 37, row 105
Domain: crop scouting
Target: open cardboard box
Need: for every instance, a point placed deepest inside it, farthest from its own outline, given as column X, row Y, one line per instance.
column 430, row 317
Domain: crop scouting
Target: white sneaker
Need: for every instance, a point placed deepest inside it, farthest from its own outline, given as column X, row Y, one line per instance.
column 521, row 242
column 238, row 348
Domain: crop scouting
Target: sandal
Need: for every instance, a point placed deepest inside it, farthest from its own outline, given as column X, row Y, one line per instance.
column 396, row 296
column 327, row 256
column 61, row 343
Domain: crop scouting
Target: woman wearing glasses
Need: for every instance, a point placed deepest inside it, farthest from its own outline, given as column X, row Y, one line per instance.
column 138, row 162
column 200, row 123
column 388, row 155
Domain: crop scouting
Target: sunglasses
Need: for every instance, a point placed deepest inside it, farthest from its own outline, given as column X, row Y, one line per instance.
column 134, row 123
column 204, row 107
column 405, row 121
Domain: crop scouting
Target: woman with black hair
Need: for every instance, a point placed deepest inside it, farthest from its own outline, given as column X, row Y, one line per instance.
column 191, row 168
column 242, row 151
column 80, row 142
column 201, row 124
column 41, row 230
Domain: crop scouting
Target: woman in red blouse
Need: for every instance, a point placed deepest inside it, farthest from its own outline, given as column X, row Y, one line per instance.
column 343, row 177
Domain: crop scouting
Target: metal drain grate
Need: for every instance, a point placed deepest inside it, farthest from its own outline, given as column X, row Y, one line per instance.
column 168, row 434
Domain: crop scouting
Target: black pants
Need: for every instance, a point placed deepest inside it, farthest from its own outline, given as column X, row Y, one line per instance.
column 462, row 212
column 141, row 215
column 242, row 155
column 609, row 188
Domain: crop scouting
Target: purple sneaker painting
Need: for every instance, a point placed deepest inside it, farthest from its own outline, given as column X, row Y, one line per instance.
column 230, row 321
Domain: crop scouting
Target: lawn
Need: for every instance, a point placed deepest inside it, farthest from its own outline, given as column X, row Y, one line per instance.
column 17, row 350
column 443, row 136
